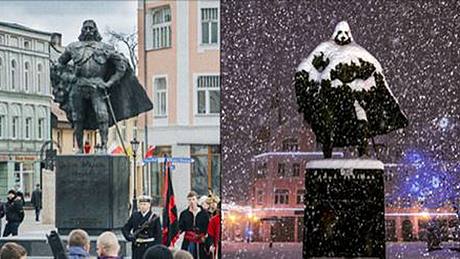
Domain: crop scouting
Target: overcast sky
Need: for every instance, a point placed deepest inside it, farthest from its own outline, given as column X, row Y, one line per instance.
column 66, row 17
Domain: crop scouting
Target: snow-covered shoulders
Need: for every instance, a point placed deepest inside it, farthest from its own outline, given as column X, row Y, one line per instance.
column 338, row 54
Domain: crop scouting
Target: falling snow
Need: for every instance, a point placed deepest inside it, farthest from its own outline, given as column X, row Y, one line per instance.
column 417, row 44
column 262, row 44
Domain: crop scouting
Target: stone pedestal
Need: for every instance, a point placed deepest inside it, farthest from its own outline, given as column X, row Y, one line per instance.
column 345, row 210
column 92, row 193
column 48, row 198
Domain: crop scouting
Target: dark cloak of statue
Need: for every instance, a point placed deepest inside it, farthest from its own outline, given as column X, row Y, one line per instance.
column 95, row 85
column 128, row 97
column 343, row 95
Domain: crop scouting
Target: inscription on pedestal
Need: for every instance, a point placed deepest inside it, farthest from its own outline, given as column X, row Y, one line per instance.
column 345, row 213
column 91, row 192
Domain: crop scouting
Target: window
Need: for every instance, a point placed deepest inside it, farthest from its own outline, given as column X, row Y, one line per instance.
column 26, row 76
column 281, row 169
column 290, row 145
column 3, row 114
column 281, row 196
column 14, row 41
column 208, row 95
column 260, row 197
column 28, row 128
column 2, row 126
column 209, row 26
column 160, row 90
column 296, row 170
column 41, row 128
column 205, row 168
column 27, row 44
column 161, row 27
column 1, row 72
column 156, row 187
column 261, row 171
column 300, row 195
column 39, row 77
column 13, row 74
column 15, row 127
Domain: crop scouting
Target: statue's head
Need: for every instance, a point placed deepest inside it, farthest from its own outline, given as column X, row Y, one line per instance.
column 89, row 32
column 342, row 33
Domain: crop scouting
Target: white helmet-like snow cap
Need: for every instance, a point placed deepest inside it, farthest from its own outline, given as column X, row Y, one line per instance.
column 342, row 33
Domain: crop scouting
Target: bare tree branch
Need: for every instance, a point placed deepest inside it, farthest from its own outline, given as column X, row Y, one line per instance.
column 127, row 39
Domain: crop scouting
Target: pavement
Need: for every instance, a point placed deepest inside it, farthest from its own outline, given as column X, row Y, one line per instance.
column 30, row 227
column 394, row 250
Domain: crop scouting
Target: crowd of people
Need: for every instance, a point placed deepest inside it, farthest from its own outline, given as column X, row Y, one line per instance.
column 198, row 225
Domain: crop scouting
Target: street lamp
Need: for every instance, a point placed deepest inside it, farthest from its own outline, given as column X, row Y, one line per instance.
column 134, row 147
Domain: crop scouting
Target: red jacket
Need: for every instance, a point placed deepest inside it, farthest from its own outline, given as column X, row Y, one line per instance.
column 214, row 229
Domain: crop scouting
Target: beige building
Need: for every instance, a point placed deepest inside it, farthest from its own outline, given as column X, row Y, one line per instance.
column 179, row 66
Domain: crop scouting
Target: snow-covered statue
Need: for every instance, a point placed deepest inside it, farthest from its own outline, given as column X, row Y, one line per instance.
column 343, row 94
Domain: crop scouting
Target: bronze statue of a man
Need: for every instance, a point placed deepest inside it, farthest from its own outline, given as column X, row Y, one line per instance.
column 95, row 85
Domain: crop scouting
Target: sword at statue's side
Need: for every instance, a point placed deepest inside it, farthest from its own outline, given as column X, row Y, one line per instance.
column 107, row 99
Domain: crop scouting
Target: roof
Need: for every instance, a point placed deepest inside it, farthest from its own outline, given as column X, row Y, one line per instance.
column 60, row 114
column 22, row 27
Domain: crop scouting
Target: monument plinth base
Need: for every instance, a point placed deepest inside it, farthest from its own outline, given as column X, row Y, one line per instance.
column 92, row 193
column 345, row 210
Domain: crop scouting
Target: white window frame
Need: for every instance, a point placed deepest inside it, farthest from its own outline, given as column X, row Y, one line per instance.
column 28, row 125
column 15, row 127
column 277, row 197
column 300, row 195
column 39, row 77
column 2, row 75
column 202, row 5
column 209, row 21
column 159, row 27
column 207, row 95
column 27, row 74
column 3, row 126
column 14, row 74
column 3, row 120
column 41, row 128
column 155, row 97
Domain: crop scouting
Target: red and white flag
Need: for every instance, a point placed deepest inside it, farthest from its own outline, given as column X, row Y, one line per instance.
column 149, row 152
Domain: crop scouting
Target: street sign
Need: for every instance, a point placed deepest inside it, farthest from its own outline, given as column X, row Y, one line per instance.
column 177, row 160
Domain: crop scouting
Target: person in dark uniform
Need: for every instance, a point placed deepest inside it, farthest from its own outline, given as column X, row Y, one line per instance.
column 194, row 222
column 36, row 201
column 143, row 228
column 14, row 214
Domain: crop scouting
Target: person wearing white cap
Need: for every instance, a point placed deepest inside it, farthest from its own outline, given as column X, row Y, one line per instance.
column 143, row 228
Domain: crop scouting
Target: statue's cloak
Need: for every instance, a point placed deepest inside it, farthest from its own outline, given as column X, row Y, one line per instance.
column 127, row 97
column 337, row 86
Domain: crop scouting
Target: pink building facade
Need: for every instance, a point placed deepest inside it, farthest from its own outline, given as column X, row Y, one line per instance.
column 179, row 65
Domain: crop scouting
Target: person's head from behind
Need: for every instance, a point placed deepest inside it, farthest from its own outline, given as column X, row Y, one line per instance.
column 107, row 244
column 182, row 254
column 79, row 238
column 12, row 250
column 192, row 199
column 158, row 252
